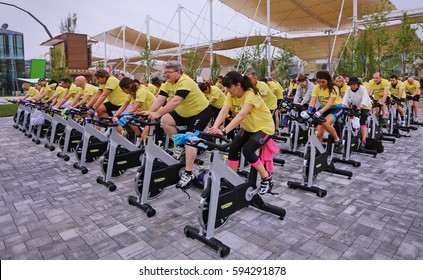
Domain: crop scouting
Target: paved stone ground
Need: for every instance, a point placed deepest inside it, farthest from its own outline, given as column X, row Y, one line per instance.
column 48, row 210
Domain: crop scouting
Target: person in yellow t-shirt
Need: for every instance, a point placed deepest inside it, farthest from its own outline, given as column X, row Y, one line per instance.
column 215, row 96
column 30, row 91
column 412, row 87
column 46, row 91
column 86, row 94
column 342, row 85
column 157, row 84
column 277, row 90
column 266, row 93
column 330, row 106
column 109, row 88
column 59, row 93
column 398, row 95
column 255, row 119
column 141, row 99
column 66, row 99
column 188, row 106
column 379, row 89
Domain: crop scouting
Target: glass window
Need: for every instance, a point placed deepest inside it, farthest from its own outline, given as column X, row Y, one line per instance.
column 2, row 46
column 19, row 46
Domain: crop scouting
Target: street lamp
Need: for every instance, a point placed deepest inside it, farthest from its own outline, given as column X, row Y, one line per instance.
column 45, row 27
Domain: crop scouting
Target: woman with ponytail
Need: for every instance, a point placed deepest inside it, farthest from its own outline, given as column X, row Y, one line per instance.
column 140, row 98
column 256, row 122
column 330, row 106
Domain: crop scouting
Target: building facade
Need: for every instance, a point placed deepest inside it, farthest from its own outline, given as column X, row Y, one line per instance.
column 12, row 62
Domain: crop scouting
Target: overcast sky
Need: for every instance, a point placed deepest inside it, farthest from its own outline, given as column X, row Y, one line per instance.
column 95, row 17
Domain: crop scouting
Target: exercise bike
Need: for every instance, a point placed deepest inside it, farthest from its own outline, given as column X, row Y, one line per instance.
column 298, row 134
column 225, row 192
column 159, row 169
column 92, row 145
column 121, row 155
column 316, row 158
column 73, row 132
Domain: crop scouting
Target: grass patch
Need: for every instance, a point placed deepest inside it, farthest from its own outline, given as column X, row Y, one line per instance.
column 7, row 110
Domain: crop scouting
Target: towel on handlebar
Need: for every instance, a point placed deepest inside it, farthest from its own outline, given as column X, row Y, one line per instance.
column 182, row 138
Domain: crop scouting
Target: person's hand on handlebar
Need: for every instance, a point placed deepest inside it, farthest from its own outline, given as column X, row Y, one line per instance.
column 214, row 130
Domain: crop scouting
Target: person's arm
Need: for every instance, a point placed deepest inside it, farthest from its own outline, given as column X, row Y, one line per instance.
column 101, row 98
column 121, row 110
column 297, row 96
column 307, row 96
column 63, row 100
column 224, row 111
column 135, row 107
column 385, row 95
column 160, row 100
column 94, row 99
column 345, row 99
column 245, row 110
column 170, row 106
column 417, row 92
column 75, row 100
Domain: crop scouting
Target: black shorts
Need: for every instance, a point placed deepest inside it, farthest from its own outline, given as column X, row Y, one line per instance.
column 364, row 114
column 110, row 108
column 416, row 98
column 335, row 112
column 197, row 122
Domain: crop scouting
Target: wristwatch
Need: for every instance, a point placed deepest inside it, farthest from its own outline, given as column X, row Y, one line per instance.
column 224, row 131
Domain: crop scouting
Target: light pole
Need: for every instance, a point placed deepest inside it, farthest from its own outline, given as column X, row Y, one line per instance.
column 45, row 27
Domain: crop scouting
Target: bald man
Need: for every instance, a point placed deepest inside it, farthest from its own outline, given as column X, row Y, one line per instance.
column 85, row 95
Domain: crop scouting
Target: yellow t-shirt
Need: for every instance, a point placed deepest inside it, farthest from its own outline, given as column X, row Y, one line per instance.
column 267, row 95
column 193, row 103
column 395, row 90
column 117, row 96
column 61, row 92
column 144, row 96
column 411, row 88
column 259, row 117
column 378, row 89
column 276, row 88
column 151, row 87
column 342, row 90
column 32, row 91
column 89, row 90
column 323, row 96
column 47, row 88
column 217, row 94
column 219, row 85
column 74, row 90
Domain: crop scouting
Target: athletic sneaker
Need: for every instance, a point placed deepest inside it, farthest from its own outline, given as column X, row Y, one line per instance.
column 338, row 146
column 185, row 181
column 266, row 185
column 362, row 147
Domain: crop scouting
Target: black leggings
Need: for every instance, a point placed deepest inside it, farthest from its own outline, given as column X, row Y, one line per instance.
column 249, row 143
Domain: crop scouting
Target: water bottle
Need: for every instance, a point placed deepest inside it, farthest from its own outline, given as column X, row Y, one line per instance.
column 306, row 116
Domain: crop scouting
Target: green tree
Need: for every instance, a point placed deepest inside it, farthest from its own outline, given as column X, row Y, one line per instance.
column 253, row 58
column 147, row 60
column 58, row 65
column 215, row 69
column 68, row 25
column 193, row 63
column 283, row 60
column 406, row 45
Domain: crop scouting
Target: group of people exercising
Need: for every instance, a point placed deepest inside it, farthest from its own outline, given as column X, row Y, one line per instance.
column 251, row 103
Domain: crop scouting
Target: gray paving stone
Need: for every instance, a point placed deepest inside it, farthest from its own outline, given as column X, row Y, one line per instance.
column 48, row 210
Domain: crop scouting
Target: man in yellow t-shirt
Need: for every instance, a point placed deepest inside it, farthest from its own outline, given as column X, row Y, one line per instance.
column 412, row 87
column 188, row 107
column 379, row 89
column 398, row 95
column 86, row 94
column 46, row 90
column 31, row 91
column 71, row 91
column 109, row 88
